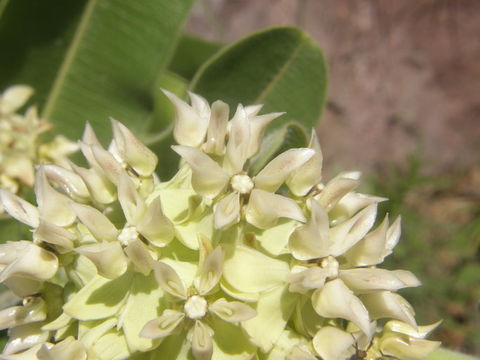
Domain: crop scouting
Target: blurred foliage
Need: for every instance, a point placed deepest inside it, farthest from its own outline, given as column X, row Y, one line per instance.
column 441, row 244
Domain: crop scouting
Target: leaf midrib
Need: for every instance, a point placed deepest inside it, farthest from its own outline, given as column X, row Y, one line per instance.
column 69, row 58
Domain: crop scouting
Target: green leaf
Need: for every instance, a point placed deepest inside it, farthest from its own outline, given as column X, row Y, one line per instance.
column 35, row 34
column 282, row 68
column 117, row 53
column 444, row 354
column 191, row 53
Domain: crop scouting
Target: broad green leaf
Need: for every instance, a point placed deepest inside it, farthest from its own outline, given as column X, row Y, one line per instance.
column 117, row 53
column 444, row 354
column 281, row 67
column 191, row 53
column 35, row 34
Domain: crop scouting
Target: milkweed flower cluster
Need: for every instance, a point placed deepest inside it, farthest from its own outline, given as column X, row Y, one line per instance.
column 20, row 145
column 215, row 263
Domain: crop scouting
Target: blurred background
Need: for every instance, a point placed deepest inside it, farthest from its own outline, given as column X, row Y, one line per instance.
column 403, row 107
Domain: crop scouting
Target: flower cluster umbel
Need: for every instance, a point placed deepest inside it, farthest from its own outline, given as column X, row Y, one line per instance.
column 215, row 263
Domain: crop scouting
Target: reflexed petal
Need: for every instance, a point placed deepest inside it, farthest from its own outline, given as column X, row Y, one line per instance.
column 242, row 271
column 30, row 354
column 202, row 345
column 190, row 127
column 56, row 235
column 100, row 298
column 131, row 202
column 238, row 140
column 280, row 168
column 404, row 328
column 112, row 169
column 350, row 204
column 100, row 188
column 309, row 174
column 265, row 208
column 364, row 280
column 308, row 279
column 335, row 300
column 138, row 253
column 347, row 234
column 68, row 349
column 132, row 151
column 393, row 236
column 155, row 226
column 169, row 280
column 227, row 211
column 210, row 272
column 162, row 326
column 29, row 260
column 33, row 311
column 371, row 249
column 403, row 347
column 337, row 188
column 108, row 257
column 71, row 183
column 23, row 337
column 217, row 129
column 258, row 124
column 208, row 178
column 52, row 205
column 311, row 241
column 385, row 304
column 232, row 311
column 333, row 344
column 274, row 309
column 14, row 98
column 19, row 209
column 97, row 223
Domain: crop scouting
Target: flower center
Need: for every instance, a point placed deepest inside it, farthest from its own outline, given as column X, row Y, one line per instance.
column 195, row 307
column 331, row 266
column 242, row 183
column 127, row 235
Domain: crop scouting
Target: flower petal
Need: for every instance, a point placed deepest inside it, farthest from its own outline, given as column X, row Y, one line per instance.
column 32, row 311
column 19, row 209
column 227, row 211
column 335, row 300
column 217, row 129
column 71, row 183
column 108, row 258
column 385, row 304
column 364, row 280
column 97, row 223
column 308, row 279
column 111, row 168
column 190, row 127
column 139, row 255
column 258, row 124
column 280, row 168
column 169, row 280
column 242, row 271
column 347, row 234
column 132, row 151
column 24, row 337
column 68, row 349
column 238, row 140
column 14, row 98
column 310, row 173
column 100, row 188
column 210, row 272
column 404, row 328
column 132, row 204
column 311, row 241
column 162, row 326
column 52, row 205
column 403, row 347
column 333, row 344
column 265, row 208
column 155, row 226
column 208, row 178
column 337, row 188
column 232, row 311
column 202, row 345
column 56, row 235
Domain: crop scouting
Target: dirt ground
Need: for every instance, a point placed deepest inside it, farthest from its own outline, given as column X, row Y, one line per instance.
column 403, row 74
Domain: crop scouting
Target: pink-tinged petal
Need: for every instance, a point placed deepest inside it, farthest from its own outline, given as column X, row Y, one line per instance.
column 56, row 235
column 210, row 272
column 111, row 168
column 132, row 204
column 202, row 344
column 162, row 326
column 274, row 174
column 169, row 280
column 265, row 208
column 208, row 178
column 217, row 129
column 232, row 311
column 238, row 140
